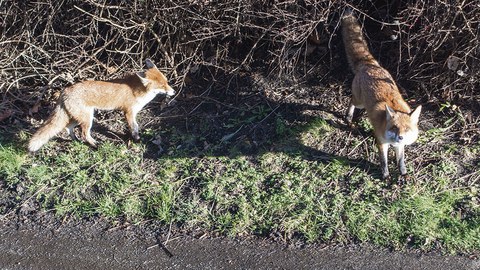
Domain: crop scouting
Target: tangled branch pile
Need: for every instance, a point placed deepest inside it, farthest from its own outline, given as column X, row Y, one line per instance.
column 441, row 48
column 49, row 43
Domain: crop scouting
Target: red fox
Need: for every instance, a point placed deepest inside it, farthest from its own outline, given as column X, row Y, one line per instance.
column 374, row 89
column 77, row 103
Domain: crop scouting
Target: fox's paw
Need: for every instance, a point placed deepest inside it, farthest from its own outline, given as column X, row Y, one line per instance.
column 92, row 143
column 136, row 137
column 403, row 179
column 348, row 120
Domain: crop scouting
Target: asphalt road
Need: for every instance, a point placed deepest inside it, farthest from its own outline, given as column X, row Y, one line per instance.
column 80, row 248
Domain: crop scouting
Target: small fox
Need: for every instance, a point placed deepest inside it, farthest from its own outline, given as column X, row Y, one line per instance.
column 77, row 103
column 374, row 89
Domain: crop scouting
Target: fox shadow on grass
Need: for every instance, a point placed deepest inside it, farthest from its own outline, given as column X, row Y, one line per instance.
column 215, row 127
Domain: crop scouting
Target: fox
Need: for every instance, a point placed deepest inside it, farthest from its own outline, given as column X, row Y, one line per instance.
column 373, row 89
column 76, row 104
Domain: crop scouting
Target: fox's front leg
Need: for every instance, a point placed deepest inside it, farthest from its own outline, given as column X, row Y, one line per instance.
column 383, row 156
column 400, row 155
column 132, row 124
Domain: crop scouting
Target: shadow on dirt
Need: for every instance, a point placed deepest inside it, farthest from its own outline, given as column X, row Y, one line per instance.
column 243, row 114
column 246, row 120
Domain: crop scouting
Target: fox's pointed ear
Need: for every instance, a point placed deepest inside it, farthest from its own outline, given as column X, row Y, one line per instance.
column 390, row 112
column 415, row 115
column 149, row 64
column 141, row 76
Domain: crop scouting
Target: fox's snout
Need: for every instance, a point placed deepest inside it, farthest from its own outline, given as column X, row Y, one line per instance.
column 170, row 91
column 404, row 138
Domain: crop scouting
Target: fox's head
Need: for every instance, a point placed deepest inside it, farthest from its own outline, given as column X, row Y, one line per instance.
column 402, row 128
column 154, row 80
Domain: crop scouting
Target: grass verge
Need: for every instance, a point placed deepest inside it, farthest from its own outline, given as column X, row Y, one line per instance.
column 285, row 191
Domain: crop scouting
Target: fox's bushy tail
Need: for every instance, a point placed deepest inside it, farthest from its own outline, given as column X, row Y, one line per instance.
column 55, row 123
column 356, row 47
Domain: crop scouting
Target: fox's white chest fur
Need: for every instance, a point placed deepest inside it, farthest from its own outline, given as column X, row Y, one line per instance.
column 141, row 101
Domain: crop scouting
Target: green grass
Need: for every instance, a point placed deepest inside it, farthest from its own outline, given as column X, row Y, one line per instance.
column 286, row 193
column 11, row 162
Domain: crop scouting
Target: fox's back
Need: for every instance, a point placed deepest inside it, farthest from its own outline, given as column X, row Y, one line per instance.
column 105, row 95
column 375, row 85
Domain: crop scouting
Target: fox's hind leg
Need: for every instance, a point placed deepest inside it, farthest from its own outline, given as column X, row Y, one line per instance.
column 70, row 129
column 354, row 103
column 85, row 120
column 349, row 114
